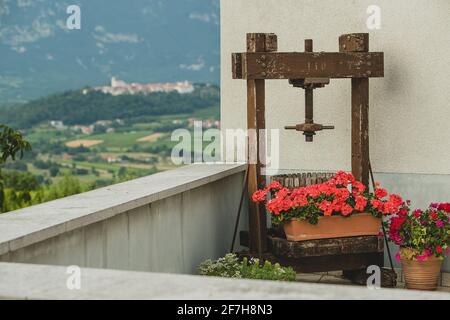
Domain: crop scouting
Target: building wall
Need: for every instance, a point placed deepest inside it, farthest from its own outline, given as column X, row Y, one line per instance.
column 409, row 107
column 409, row 113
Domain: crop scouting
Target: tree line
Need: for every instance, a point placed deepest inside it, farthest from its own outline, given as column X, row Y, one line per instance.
column 77, row 107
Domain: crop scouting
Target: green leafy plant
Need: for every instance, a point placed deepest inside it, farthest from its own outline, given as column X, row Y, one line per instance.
column 231, row 267
column 422, row 233
column 11, row 144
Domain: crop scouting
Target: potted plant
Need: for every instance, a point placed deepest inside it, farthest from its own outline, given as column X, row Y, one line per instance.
column 337, row 208
column 424, row 240
column 231, row 267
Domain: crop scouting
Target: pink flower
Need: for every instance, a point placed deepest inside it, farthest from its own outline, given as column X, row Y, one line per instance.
column 439, row 224
column 398, row 257
column 427, row 253
column 417, row 213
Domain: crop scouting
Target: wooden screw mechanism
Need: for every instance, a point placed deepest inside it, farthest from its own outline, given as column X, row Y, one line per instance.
column 309, row 128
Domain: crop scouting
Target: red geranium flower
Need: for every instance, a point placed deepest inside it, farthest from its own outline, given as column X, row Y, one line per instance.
column 444, row 207
column 361, row 203
column 274, row 185
column 358, row 187
column 346, row 209
column 259, row 196
column 381, row 193
column 326, row 207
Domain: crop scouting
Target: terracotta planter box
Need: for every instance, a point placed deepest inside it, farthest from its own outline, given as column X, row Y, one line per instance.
column 363, row 224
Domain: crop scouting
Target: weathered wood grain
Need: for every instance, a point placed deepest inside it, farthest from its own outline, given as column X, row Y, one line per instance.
column 301, row 65
column 325, row 247
column 354, row 42
column 296, row 180
column 257, row 42
column 360, row 130
column 360, row 112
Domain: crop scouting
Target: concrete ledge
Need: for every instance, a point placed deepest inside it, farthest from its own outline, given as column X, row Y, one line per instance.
column 24, row 281
column 28, row 226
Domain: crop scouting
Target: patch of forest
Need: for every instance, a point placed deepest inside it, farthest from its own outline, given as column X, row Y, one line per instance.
column 77, row 107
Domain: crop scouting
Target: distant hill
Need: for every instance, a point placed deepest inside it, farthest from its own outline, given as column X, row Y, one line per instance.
column 76, row 107
column 136, row 40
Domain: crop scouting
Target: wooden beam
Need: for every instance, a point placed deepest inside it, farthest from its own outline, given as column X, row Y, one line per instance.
column 355, row 42
column 360, row 111
column 325, row 247
column 301, row 65
column 257, row 42
column 262, row 42
column 360, row 130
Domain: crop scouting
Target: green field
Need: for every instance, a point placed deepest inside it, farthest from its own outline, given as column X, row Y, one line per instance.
column 119, row 149
column 119, row 141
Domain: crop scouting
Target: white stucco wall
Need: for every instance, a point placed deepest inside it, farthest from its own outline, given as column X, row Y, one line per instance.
column 410, row 107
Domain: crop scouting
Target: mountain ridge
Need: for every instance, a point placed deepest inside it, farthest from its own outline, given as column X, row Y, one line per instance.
column 137, row 41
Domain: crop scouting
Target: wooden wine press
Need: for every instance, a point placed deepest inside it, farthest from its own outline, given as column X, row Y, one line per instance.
column 309, row 70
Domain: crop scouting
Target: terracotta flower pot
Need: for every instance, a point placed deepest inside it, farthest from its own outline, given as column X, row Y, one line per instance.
column 363, row 224
column 422, row 275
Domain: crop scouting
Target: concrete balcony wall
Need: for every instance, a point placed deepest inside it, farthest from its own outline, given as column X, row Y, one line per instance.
column 25, row 281
column 168, row 222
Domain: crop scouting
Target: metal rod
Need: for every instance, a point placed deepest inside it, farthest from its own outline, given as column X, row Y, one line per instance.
column 382, row 225
column 238, row 217
column 309, row 96
column 309, row 102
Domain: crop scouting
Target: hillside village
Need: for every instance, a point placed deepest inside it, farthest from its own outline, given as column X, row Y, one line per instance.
column 120, row 87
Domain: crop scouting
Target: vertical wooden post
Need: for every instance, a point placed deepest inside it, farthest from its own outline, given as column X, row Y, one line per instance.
column 359, row 42
column 257, row 42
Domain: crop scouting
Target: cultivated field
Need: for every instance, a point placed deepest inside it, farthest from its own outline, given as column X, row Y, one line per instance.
column 83, row 143
column 151, row 138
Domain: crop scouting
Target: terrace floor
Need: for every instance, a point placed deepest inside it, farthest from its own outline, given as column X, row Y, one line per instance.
column 336, row 278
